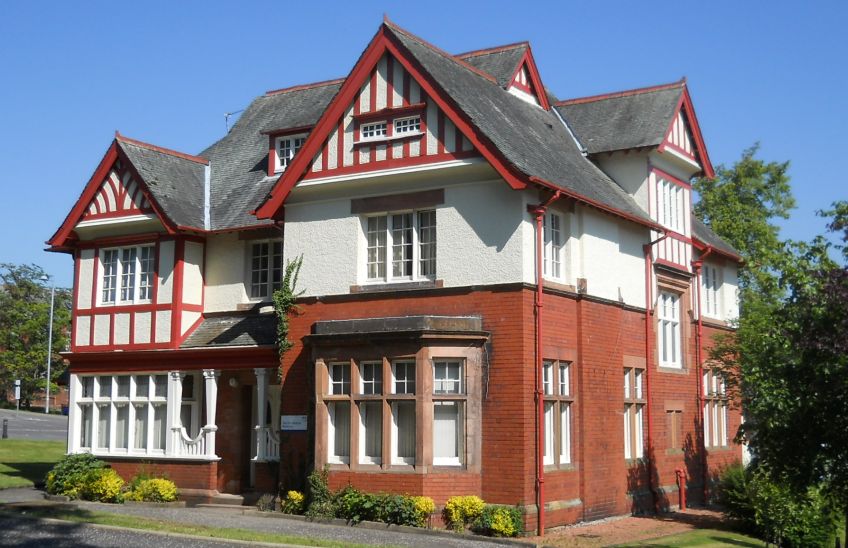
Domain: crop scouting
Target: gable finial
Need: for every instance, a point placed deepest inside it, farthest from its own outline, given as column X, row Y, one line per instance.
column 386, row 18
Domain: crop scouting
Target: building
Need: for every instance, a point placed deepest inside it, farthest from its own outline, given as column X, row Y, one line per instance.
column 468, row 241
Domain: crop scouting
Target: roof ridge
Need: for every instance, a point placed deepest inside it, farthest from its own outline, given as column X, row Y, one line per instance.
column 301, row 87
column 617, row 94
column 463, row 63
column 491, row 50
column 163, row 150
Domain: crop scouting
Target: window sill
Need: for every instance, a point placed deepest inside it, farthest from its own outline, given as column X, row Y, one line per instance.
column 148, row 456
column 569, row 467
column 673, row 370
column 674, row 452
column 381, row 287
column 720, row 448
column 388, row 139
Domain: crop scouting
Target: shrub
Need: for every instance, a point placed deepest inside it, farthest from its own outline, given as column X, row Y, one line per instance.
column 396, row 510
column 774, row 511
column 354, row 505
column 152, row 490
column 498, row 521
column 66, row 478
column 293, row 503
column 319, row 497
column 424, row 507
column 266, row 503
column 459, row 512
column 102, row 485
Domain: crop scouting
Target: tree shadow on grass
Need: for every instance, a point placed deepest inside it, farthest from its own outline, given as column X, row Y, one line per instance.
column 34, row 472
column 26, row 532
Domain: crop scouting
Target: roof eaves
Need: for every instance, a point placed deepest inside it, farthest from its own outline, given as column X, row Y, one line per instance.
column 163, row 150
column 495, row 49
column 618, row 94
column 302, row 87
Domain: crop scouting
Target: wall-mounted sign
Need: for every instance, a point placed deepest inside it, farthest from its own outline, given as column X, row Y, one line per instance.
column 293, row 423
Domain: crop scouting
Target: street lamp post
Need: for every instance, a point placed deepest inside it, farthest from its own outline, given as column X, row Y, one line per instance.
column 45, row 278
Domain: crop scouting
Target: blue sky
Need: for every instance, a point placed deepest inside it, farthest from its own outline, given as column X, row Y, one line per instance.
column 73, row 73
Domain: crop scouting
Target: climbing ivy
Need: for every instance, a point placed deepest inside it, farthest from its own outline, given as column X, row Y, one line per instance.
column 285, row 304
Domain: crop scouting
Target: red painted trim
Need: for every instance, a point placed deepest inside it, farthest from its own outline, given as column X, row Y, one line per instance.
column 535, row 78
column 163, row 150
column 191, row 329
column 701, row 246
column 75, row 297
column 305, row 86
column 136, row 239
column 495, row 49
column 391, row 164
column 325, row 152
column 286, row 131
column 179, row 281
column 391, row 112
column 677, row 266
column 111, row 348
column 617, row 94
column 668, row 144
column 164, row 360
column 272, row 206
column 356, row 108
column 132, row 329
column 123, row 308
column 115, row 214
column 695, row 129
column 388, row 140
column 671, row 178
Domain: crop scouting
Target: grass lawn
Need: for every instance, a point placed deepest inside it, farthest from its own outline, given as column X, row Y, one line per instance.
column 79, row 515
column 24, row 463
column 703, row 538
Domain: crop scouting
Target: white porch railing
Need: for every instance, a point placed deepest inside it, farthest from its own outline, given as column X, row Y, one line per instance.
column 185, row 446
column 267, row 444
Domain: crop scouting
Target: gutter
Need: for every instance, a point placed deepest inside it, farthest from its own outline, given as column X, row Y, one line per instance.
column 539, row 213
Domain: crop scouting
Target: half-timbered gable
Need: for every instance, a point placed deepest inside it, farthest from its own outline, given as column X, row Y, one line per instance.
column 119, row 196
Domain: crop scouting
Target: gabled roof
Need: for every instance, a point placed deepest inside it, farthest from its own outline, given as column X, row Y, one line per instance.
column 524, row 143
column 240, row 159
column 171, row 181
column 234, row 330
column 500, row 62
column 636, row 118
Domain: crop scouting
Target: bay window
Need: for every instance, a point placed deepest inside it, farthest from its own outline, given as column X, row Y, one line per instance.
column 401, row 246
column 634, row 404
column 669, row 339
column 127, row 275
column 448, row 417
column 556, row 389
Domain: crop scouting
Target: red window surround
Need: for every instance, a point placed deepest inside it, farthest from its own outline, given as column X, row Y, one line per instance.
column 272, row 138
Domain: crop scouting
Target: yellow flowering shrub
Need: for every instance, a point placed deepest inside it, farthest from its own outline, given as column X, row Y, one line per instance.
column 102, row 485
column 293, row 503
column 461, row 511
column 424, row 506
column 153, row 490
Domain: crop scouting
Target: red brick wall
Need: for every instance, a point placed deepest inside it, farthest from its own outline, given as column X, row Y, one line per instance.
column 186, row 474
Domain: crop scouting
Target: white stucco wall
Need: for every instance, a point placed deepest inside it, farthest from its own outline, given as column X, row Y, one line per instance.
column 165, row 292
column 86, row 278
column 122, row 328
column 226, row 269
column 193, row 273
column 102, row 328
column 141, row 324
column 730, row 292
column 83, row 333
column 630, row 171
column 163, row 326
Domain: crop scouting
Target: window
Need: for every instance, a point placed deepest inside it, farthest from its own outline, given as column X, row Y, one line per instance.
column 190, row 405
column 404, row 377
column 448, row 416
column 554, row 246
column 266, row 268
column 340, row 378
column 670, row 205
column 338, row 450
column 715, row 409
column 674, row 422
column 668, row 330
column 710, row 284
column 375, row 130
column 556, row 388
column 127, row 275
column 634, row 403
column 410, row 236
column 286, row 147
column 371, row 375
column 408, row 125
column 122, row 414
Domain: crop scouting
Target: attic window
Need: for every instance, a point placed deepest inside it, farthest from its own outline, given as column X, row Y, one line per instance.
column 375, row 130
column 408, row 125
column 286, row 147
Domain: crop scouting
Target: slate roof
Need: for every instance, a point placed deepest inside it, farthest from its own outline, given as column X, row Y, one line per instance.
column 176, row 183
column 234, row 330
column 240, row 160
column 533, row 140
column 501, row 63
column 621, row 121
column 705, row 235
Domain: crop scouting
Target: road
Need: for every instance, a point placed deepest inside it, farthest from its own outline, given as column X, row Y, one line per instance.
column 37, row 533
column 26, row 425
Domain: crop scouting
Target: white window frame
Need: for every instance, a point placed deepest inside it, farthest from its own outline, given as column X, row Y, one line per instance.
column 385, row 246
column 269, row 285
column 377, row 133
column 634, row 407
column 332, row 458
column 711, row 282
column 669, row 330
column 395, row 405
column 285, row 154
column 374, row 385
column 670, row 204
column 556, row 389
column 138, row 276
column 406, row 381
column 555, row 238
column 451, row 392
column 362, row 405
column 339, row 378
column 715, row 409
column 460, row 434
column 402, row 125
column 97, row 401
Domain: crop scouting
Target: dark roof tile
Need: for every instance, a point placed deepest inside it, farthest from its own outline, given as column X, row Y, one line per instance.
column 234, row 330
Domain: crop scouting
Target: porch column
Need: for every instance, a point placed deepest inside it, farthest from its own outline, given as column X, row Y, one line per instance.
column 261, row 395
column 173, row 442
column 210, row 379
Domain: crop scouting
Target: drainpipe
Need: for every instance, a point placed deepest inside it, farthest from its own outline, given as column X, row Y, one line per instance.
column 699, row 334
column 649, row 260
column 539, row 213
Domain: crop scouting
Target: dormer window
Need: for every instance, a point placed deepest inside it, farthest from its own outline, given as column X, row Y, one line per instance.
column 373, row 131
column 286, row 147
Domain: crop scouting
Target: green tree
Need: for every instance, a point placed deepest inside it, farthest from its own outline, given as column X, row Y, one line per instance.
column 24, row 319
column 788, row 359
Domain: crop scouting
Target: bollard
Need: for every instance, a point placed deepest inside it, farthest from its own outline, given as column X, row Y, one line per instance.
column 5, row 428
column 681, row 488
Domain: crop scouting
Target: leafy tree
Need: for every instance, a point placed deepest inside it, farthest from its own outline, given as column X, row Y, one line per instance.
column 24, row 319
column 788, row 359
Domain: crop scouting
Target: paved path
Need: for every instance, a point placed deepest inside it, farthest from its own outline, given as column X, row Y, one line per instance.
column 234, row 519
column 26, row 425
column 37, row 533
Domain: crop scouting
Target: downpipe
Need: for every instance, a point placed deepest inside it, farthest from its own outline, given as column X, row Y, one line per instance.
column 699, row 352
